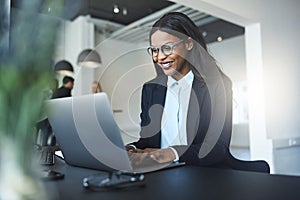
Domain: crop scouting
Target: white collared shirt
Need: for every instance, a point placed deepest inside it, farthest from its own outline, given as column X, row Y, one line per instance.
column 173, row 124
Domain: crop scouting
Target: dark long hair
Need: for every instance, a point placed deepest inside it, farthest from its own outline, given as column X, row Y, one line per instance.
column 178, row 23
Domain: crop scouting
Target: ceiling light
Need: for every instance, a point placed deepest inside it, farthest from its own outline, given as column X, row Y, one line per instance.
column 63, row 67
column 116, row 9
column 89, row 58
column 219, row 39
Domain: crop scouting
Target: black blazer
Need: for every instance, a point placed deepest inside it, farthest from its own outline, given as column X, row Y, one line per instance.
column 61, row 92
column 198, row 119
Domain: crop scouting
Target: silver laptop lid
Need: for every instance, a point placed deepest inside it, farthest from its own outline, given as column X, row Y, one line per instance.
column 87, row 133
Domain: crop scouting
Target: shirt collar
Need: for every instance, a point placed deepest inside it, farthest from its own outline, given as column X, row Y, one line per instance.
column 184, row 82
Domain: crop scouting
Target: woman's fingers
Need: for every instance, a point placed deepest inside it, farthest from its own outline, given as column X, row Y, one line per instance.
column 163, row 155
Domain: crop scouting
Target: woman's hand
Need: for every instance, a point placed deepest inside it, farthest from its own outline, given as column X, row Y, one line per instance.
column 162, row 155
column 137, row 158
column 149, row 150
column 136, row 155
column 159, row 155
column 130, row 148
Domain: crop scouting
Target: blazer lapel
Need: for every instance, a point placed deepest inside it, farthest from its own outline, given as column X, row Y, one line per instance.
column 159, row 91
column 193, row 115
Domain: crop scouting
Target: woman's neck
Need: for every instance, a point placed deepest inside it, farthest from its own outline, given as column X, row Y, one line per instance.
column 179, row 75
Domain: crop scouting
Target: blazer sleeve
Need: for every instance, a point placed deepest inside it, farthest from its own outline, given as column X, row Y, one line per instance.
column 151, row 109
column 145, row 119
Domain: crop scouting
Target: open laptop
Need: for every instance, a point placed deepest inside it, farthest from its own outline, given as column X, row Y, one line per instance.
column 88, row 135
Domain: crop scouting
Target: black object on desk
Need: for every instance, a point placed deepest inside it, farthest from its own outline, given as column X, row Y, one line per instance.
column 112, row 180
column 185, row 182
column 51, row 175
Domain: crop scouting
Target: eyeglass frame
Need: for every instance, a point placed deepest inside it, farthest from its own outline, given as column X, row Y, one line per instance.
column 161, row 50
column 112, row 180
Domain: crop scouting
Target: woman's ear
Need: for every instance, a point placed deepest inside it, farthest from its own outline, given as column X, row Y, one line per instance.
column 189, row 44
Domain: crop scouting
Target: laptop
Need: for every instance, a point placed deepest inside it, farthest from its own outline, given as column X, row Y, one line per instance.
column 88, row 135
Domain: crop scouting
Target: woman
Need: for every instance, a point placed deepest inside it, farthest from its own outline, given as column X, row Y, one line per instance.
column 96, row 88
column 186, row 112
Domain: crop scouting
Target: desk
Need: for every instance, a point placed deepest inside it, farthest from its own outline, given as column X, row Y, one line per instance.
column 185, row 182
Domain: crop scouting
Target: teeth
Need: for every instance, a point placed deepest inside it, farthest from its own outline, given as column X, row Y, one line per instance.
column 166, row 65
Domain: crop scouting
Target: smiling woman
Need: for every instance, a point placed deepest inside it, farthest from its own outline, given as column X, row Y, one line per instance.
column 193, row 120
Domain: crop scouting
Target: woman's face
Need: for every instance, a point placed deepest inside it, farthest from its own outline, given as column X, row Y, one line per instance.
column 94, row 87
column 174, row 65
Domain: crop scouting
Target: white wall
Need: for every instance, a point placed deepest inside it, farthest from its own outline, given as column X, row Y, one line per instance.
column 231, row 58
column 280, row 29
column 125, row 68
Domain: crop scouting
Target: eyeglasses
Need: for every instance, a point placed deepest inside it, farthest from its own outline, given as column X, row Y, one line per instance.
column 166, row 49
column 113, row 180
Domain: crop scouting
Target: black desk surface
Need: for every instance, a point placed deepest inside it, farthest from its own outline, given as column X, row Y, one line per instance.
column 185, row 182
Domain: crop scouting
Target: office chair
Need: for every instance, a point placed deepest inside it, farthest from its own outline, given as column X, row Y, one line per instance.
column 43, row 132
column 45, row 142
column 255, row 166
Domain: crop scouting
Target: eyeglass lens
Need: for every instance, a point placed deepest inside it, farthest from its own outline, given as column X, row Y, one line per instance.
column 166, row 49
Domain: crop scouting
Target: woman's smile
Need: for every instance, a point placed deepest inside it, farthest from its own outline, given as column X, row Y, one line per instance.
column 166, row 65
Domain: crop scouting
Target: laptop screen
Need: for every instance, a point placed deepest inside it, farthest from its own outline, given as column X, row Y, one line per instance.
column 87, row 133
